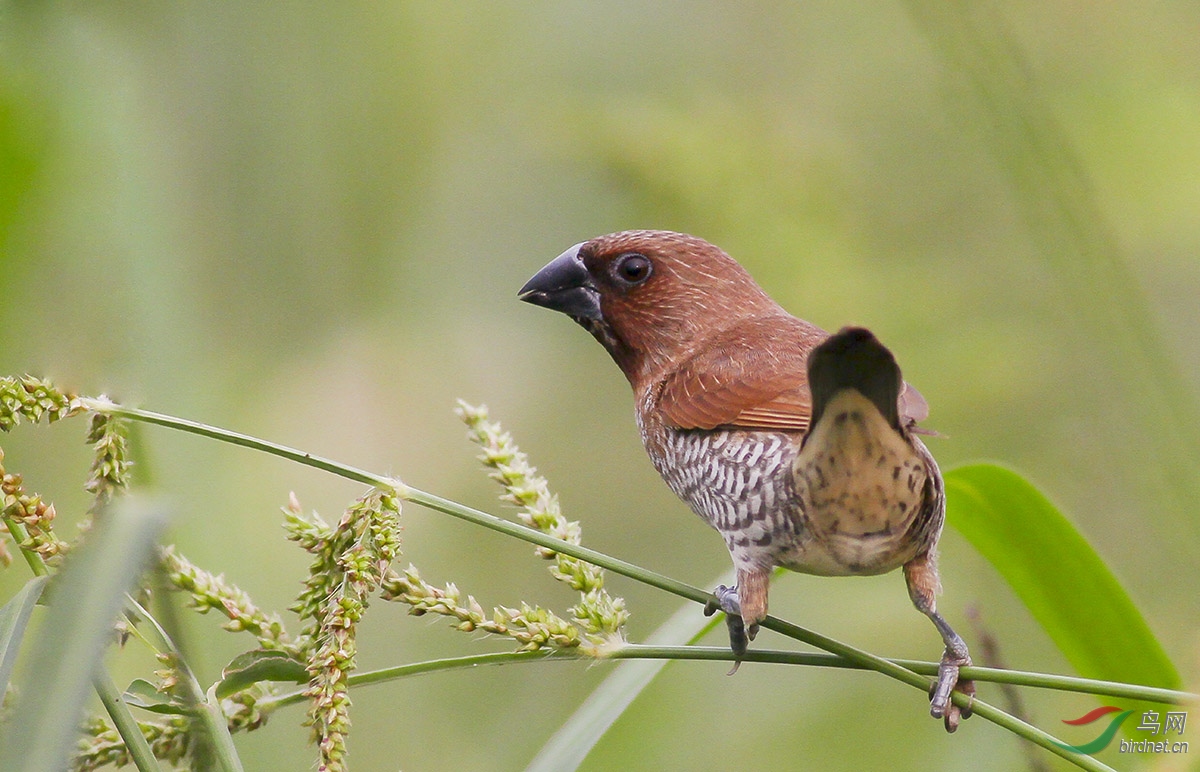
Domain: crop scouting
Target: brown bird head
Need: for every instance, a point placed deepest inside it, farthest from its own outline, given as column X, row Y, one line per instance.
column 650, row 297
column 690, row 329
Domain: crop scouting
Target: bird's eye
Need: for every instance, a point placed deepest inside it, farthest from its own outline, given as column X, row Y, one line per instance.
column 633, row 268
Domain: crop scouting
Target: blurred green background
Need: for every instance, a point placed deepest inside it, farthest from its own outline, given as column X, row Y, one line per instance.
column 309, row 222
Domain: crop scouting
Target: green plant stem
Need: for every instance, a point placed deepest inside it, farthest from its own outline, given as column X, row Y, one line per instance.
column 764, row 656
column 407, row 493
column 384, row 675
column 207, row 707
column 851, row 654
column 244, row 440
column 37, row 564
column 988, row 674
column 977, row 706
column 216, row 726
column 135, row 742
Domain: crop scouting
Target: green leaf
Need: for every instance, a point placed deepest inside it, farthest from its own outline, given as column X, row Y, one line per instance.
column 13, row 619
column 143, row 694
column 259, row 665
column 68, row 650
column 1057, row 575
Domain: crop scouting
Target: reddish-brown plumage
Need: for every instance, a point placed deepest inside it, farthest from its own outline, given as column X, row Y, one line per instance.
column 721, row 379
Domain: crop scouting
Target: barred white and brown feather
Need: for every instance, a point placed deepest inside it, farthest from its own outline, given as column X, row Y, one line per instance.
column 775, row 506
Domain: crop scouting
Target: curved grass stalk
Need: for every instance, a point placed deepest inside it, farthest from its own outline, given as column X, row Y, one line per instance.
column 849, row 655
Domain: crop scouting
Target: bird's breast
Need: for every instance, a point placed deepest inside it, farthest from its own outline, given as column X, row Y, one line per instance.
column 738, row 481
column 856, row 499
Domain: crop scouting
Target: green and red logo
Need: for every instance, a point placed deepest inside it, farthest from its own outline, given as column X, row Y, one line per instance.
column 1106, row 737
column 1153, row 723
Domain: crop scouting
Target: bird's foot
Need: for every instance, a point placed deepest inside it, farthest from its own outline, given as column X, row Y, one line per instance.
column 726, row 599
column 940, row 704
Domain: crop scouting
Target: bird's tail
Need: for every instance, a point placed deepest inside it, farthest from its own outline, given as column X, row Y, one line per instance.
column 855, row 359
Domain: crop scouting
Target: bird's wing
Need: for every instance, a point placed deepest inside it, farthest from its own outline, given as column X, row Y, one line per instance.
column 697, row 399
column 752, row 376
column 913, row 406
column 755, row 377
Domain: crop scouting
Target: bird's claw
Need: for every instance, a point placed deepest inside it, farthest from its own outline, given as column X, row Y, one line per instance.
column 940, row 704
column 726, row 599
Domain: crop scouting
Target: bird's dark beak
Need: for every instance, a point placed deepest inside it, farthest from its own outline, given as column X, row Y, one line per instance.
column 565, row 285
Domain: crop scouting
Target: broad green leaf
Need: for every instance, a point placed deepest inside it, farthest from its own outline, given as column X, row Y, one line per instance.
column 66, row 654
column 259, row 665
column 142, row 694
column 13, row 619
column 1057, row 575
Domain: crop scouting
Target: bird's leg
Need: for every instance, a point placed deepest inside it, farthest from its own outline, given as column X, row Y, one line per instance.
column 922, row 578
column 745, row 605
column 726, row 599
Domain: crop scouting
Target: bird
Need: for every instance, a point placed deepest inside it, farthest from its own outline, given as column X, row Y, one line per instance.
column 799, row 447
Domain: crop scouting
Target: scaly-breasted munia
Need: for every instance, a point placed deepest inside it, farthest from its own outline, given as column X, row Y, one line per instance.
column 797, row 446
